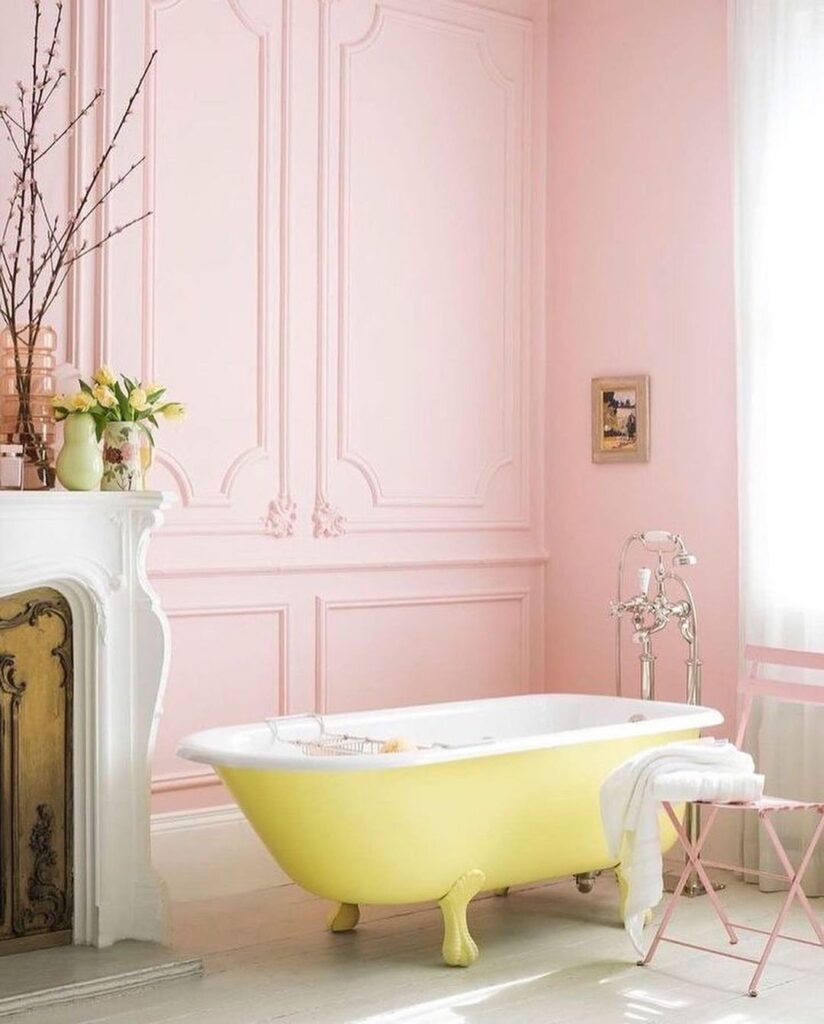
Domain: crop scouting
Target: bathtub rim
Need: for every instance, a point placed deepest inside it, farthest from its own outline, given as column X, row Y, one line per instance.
column 213, row 746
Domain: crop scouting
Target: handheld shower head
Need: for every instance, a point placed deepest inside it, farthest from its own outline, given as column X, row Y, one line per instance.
column 663, row 542
column 659, row 540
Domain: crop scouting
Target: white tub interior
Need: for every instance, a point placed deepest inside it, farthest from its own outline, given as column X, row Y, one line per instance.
column 447, row 732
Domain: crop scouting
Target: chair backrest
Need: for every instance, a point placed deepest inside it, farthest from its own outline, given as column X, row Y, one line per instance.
column 754, row 685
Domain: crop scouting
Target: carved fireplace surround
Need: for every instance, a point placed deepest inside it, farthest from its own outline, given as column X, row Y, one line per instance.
column 92, row 548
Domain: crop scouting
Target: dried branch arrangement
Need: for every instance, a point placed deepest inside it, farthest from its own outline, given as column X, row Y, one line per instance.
column 38, row 250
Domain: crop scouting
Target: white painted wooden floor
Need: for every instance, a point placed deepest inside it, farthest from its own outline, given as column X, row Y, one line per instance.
column 548, row 956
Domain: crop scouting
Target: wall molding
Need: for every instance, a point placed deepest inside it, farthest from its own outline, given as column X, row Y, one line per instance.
column 323, row 606
column 86, row 295
column 312, row 568
column 176, row 782
column 256, row 527
column 346, row 451
column 516, row 320
column 280, row 610
column 485, row 11
column 173, row 782
column 184, row 821
column 322, row 503
column 265, row 388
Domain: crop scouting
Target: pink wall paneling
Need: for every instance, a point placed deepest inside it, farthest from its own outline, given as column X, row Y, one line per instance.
column 387, row 652
column 229, row 665
column 215, row 250
column 425, row 169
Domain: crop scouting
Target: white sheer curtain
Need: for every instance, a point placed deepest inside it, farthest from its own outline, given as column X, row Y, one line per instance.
column 778, row 77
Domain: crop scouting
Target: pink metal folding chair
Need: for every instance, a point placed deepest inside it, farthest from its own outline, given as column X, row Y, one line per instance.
column 749, row 688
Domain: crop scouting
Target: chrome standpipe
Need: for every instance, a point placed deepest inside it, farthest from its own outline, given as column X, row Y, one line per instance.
column 651, row 614
column 647, row 660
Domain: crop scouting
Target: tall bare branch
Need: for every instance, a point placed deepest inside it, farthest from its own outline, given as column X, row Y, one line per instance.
column 38, row 251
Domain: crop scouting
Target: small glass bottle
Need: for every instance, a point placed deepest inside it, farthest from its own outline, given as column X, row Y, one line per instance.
column 11, row 467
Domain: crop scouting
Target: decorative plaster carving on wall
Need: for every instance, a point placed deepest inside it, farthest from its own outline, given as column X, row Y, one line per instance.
column 327, row 520
column 281, row 517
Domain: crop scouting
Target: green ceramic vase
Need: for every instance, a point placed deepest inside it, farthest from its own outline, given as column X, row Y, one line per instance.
column 79, row 464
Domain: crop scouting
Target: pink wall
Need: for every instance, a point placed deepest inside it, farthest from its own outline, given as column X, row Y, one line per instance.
column 641, row 280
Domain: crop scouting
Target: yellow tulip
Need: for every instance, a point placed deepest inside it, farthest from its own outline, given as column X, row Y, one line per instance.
column 150, row 389
column 138, row 400
column 60, row 402
column 104, row 396
column 174, row 410
column 105, row 377
column 81, row 402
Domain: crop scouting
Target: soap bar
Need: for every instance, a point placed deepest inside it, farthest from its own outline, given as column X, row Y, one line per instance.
column 397, row 745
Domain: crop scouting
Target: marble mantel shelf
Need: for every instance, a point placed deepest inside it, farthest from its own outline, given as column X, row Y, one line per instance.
column 92, row 548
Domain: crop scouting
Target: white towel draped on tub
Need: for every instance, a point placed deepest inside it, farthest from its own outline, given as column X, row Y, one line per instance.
column 631, row 796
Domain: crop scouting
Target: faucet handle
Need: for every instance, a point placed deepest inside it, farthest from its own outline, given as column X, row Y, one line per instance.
column 644, row 578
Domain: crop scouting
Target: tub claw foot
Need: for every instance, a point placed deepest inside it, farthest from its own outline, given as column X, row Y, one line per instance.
column 459, row 949
column 344, row 918
column 504, row 891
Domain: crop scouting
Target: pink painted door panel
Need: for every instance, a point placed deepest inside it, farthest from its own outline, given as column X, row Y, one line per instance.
column 424, row 196
column 229, row 667
column 387, row 652
column 214, row 251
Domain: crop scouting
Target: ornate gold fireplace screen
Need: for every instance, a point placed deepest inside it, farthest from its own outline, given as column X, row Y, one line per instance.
column 36, row 681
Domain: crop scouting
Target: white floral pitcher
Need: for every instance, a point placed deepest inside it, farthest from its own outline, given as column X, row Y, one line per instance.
column 122, row 465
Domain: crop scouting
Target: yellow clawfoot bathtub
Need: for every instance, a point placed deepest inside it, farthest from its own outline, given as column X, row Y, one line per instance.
column 500, row 793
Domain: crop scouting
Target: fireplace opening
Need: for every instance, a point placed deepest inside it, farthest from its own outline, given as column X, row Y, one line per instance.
column 36, row 788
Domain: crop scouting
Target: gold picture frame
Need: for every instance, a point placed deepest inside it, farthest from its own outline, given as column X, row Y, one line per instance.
column 620, row 419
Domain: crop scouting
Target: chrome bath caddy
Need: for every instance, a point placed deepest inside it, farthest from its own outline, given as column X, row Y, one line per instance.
column 339, row 744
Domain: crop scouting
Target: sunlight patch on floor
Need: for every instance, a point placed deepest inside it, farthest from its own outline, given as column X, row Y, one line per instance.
column 442, row 1011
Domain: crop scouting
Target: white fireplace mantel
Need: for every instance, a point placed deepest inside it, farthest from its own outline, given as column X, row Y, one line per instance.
column 92, row 548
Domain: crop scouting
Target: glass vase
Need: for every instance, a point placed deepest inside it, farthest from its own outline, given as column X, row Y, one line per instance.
column 122, row 463
column 27, row 386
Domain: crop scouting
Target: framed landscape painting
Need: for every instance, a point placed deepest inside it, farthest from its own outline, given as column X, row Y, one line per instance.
column 620, row 419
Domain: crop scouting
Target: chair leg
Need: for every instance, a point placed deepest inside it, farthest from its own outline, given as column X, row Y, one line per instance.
column 693, row 862
column 795, row 879
column 787, row 865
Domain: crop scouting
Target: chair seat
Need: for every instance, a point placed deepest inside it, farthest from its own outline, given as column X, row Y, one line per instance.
column 766, row 803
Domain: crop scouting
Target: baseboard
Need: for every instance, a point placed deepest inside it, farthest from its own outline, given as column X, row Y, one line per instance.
column 211, row 852
column 196, row 818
